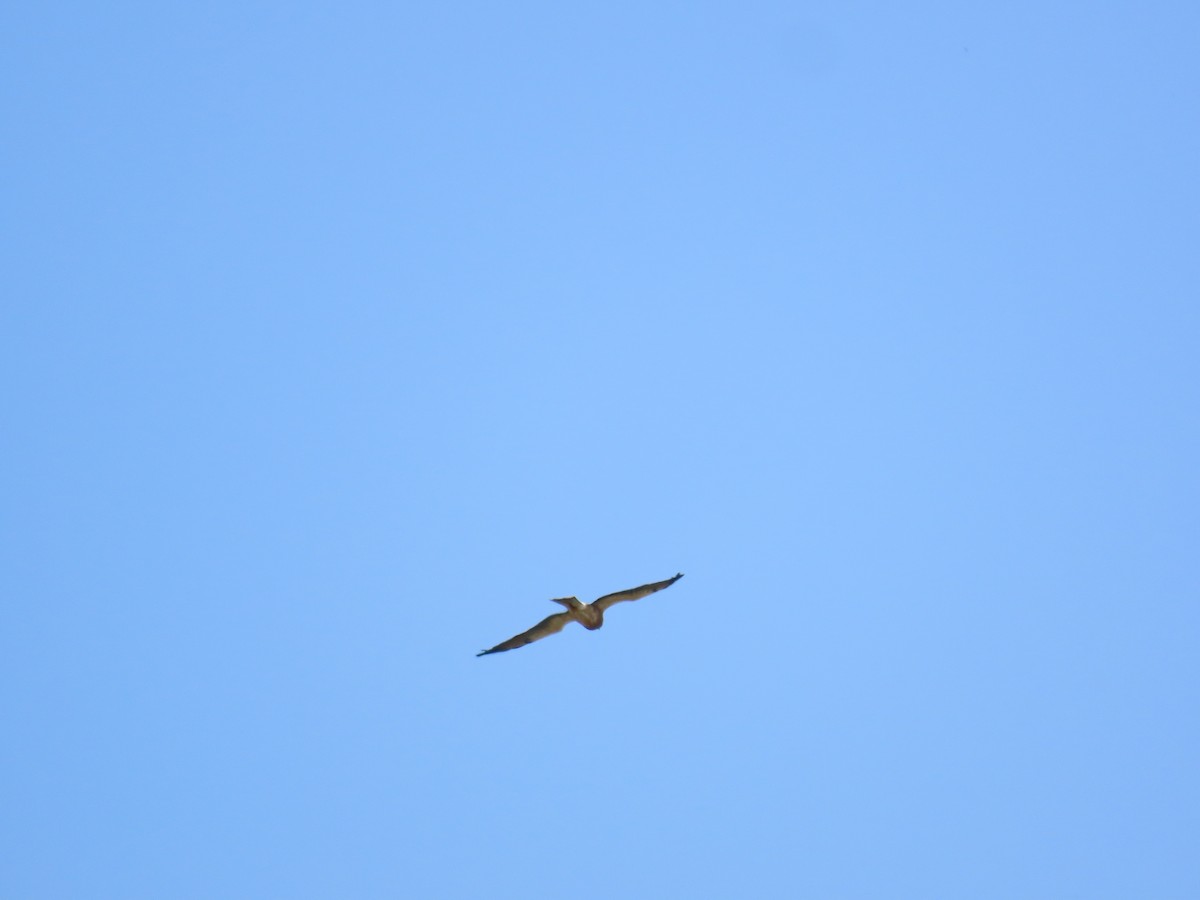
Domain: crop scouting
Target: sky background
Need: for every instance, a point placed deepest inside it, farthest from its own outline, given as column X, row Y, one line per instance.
column 338, row 338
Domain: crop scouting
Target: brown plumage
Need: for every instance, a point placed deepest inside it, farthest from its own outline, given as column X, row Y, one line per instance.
column 589, row 615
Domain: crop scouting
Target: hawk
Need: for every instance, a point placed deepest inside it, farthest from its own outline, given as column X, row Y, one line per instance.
column 589, row 615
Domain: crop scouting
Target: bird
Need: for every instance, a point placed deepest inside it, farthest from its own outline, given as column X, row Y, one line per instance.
column 589, row 615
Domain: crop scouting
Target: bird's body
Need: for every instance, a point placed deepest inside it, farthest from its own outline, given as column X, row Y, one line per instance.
column 589, row 615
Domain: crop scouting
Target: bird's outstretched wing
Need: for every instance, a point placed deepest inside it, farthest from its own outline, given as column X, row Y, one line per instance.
column 633, row 593
column 549, row 625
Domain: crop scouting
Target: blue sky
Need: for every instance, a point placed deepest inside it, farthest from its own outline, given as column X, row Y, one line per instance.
column 339, row 338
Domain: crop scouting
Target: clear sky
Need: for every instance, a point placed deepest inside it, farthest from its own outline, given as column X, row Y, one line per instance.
column 338, row 338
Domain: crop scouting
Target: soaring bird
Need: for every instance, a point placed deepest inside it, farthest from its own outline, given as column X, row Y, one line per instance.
column 589, row 615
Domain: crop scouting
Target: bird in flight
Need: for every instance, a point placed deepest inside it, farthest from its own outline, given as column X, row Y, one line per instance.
column 589, row 615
